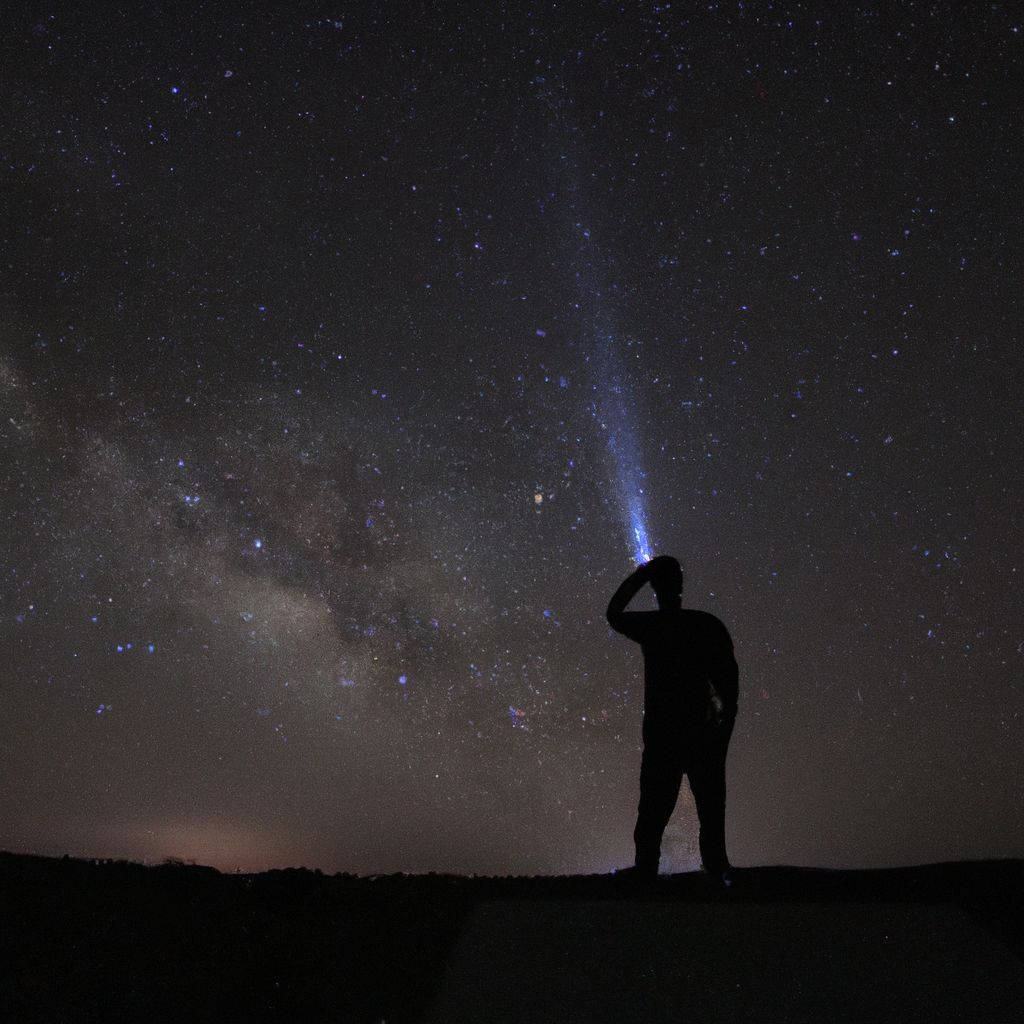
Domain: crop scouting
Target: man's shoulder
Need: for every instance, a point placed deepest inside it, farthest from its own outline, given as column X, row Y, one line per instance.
column 701, row 620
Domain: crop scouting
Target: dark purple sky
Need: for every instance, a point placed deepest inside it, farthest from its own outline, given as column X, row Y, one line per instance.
column 338, row 345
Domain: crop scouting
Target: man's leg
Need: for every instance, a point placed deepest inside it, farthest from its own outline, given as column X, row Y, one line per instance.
column 661, row 773
column 707, row 783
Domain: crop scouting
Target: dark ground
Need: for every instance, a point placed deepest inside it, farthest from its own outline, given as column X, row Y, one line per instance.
column 112, row 941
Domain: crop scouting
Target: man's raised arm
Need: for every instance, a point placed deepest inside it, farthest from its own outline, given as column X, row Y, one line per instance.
column 628, row 589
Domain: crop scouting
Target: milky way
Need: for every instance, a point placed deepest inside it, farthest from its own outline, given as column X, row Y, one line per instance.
column 347, row 362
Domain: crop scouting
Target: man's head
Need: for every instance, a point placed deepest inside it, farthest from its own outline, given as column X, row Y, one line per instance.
column 666, row 578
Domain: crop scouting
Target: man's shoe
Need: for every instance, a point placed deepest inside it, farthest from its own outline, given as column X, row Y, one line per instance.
column 635, row 874
column 722, row 878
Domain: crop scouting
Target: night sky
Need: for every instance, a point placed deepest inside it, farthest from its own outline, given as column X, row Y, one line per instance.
column 347, row 352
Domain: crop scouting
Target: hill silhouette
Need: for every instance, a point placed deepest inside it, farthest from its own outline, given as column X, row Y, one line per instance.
column 90, row 940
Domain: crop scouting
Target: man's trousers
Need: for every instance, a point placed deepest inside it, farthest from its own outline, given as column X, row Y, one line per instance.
column 699, row 753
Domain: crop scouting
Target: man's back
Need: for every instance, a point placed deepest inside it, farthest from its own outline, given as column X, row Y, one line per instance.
column 685, row 651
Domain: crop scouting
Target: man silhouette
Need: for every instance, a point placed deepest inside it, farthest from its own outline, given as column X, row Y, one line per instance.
column 691, row 685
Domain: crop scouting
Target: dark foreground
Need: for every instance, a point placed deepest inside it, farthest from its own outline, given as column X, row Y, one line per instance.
column 111, row 941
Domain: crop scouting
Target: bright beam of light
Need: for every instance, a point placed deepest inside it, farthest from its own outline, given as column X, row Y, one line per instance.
column 617, row 412
column 641, row 545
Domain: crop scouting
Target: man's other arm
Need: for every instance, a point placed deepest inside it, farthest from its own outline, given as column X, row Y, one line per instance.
column 725, row 673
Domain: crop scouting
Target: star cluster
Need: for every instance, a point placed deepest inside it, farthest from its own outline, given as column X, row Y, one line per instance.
column 346, row 358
